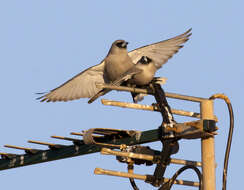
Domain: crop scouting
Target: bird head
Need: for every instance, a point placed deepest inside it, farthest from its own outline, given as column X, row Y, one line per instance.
column 121, row 44
column 145, row 60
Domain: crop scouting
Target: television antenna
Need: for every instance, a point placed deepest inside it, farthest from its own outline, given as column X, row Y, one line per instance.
column 126, row 144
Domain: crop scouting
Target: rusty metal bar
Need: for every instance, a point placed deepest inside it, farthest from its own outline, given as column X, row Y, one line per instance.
column 76, row 133
column 17, row 147
column 185, row 162
column 147, row 91
column 51, row 145
column 184, row 97
column 42, row 143
column 65, row 138
column 107, row 151
column 124, row 88
column 147, row 108
column 27, row 150
column 82, row 134
column 100, row 171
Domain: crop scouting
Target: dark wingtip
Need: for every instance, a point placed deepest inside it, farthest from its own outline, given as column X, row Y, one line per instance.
column 39, row 98
column 90, row 101
column 188, row 33
column 42, row 98
column 40, row 93
column 189, row 30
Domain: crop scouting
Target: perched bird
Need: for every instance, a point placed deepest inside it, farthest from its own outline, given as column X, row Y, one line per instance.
column 117, row 62
column 141, row 74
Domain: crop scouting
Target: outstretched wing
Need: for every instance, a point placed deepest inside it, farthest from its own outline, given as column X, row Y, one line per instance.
column 160, row 52
column 80, row 86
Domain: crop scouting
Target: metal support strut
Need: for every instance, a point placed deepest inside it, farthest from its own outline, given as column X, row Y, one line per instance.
column 207, row 144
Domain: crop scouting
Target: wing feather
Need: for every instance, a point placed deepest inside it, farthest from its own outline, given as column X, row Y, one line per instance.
column 161, row 51
column 80, row 86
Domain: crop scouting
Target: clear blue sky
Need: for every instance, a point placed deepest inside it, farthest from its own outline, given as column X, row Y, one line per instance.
column 44, row 43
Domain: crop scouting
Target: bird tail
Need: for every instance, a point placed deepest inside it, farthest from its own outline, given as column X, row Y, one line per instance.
column 100, row 93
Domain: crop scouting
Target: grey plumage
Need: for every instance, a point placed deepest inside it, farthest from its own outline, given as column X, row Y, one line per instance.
column 139, row 75
column 147, row 69
column 116, row 63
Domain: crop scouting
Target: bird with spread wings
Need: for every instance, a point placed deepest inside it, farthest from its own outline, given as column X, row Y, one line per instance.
column 116, row 63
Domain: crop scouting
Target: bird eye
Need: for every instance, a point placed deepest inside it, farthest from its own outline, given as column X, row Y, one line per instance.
column 119, row 44
column 122, row 44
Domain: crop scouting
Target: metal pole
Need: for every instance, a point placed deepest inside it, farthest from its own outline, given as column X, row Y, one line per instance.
column 208, row 153
column 100, row 171
column 149, row 91
column 107, row 151
column 147, row 108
